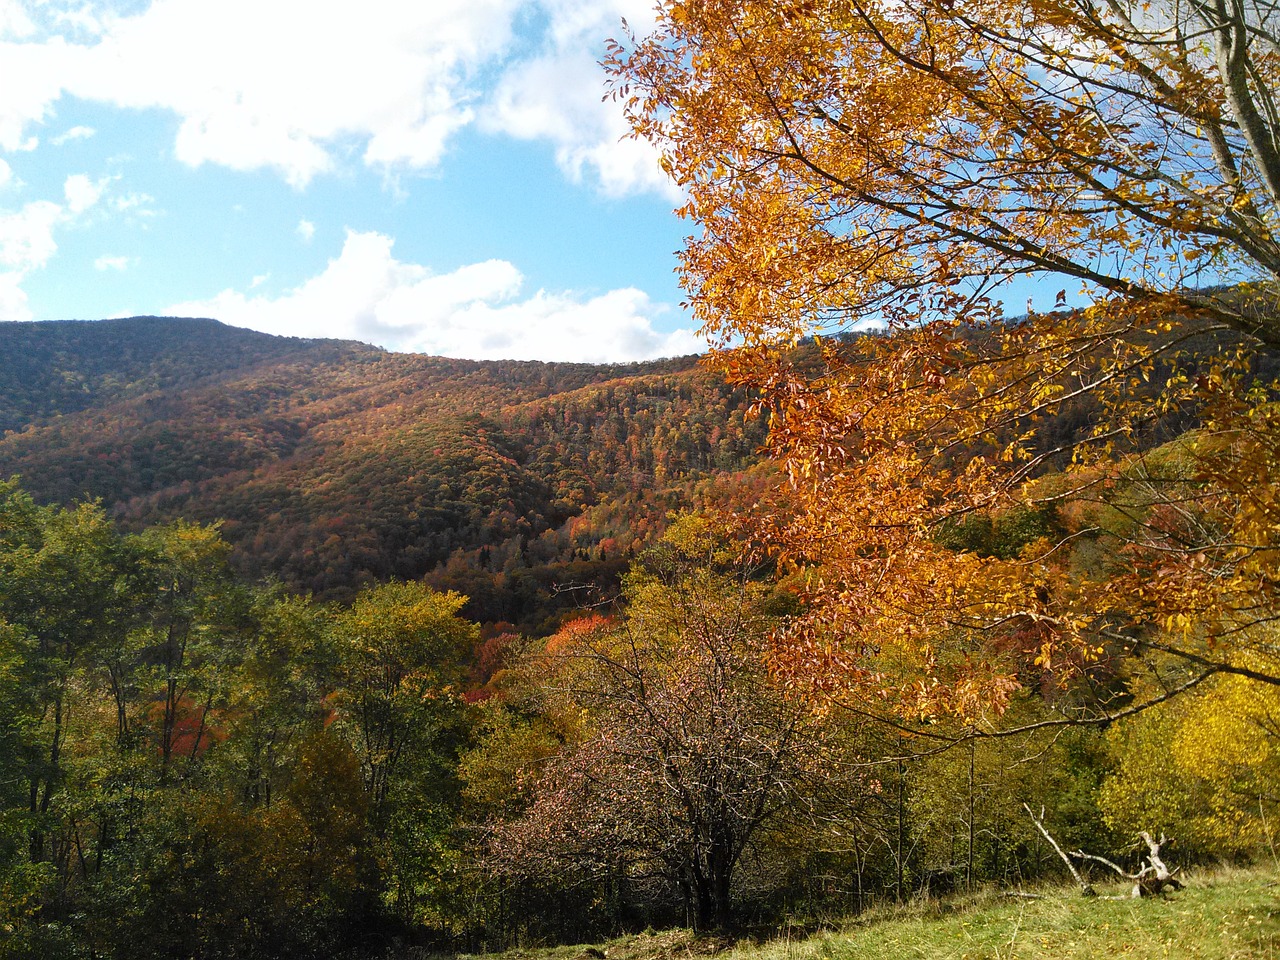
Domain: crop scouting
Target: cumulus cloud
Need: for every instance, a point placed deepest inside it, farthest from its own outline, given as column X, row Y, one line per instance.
column 556, row 95
column 32, row 75
column 27, row 240
column 475, row 312
column 283, row 84
column 26, row 235
column 109, row 262
column 266, row 83
column 14, row 20
column 306, row 230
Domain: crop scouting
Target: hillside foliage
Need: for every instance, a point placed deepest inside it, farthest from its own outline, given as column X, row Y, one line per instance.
column 322, row 667
column 332, row 466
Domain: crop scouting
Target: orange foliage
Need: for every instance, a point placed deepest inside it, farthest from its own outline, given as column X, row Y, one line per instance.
column 890, row 165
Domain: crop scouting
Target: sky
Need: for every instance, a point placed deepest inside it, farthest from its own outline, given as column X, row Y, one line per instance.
column 436, row 176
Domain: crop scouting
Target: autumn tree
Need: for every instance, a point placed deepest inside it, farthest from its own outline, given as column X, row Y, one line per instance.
column 1217, row 752
column 679, row 754
column 899, row 166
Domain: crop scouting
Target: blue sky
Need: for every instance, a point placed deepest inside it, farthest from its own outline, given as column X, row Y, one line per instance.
column 431, row 175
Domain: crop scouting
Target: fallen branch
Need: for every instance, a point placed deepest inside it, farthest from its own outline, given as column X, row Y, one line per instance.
column 1153, row 879
column 1163, row 878
column 1085, row 889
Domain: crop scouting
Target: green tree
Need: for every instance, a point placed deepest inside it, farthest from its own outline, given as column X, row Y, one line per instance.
column 69, row 584
column 401, row 652
column 192, row 628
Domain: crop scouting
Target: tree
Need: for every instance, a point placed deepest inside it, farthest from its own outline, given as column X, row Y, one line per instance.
column 680, row 752
column 20, row 880
column 193, row 616
column 68, row 589
column 401, row 650
column 875, row 162
column 857, row 154
column 1202, row 769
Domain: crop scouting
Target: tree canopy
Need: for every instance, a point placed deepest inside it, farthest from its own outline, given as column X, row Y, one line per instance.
column 844, row 155
column 895, row 167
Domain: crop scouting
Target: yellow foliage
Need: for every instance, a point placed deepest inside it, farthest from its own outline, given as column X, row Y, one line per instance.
column 1203, row 769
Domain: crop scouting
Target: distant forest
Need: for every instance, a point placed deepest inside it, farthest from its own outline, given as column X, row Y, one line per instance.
column 331, row 465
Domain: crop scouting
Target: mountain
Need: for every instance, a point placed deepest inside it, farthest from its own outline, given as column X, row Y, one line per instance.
column 332, row 464
column 68, row 366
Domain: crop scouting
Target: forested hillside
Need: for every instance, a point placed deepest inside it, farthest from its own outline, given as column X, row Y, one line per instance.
column 333, row 465
column 367, row 655
column 53, row 369
column 452, row 742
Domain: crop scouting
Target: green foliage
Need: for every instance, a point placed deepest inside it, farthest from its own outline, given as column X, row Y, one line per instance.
column 401, row 649
column 1003, row 535
column 63, row 367
column 189, row 766
column 500, row 771
column 967, row 804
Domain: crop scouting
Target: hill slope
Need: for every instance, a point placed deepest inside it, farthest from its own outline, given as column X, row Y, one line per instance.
column 334, row 464
column 72, row 365
column 1222, row 915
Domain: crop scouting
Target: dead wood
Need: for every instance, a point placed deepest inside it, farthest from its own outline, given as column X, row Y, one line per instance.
column 1085, row 889
column 1155, row 877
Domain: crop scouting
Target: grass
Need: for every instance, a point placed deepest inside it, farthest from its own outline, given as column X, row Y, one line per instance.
column 1221, row 915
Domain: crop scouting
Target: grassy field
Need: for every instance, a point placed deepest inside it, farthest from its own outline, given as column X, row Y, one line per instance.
column 1222, row 915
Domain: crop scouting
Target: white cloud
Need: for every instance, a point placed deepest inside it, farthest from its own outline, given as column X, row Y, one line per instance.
column 83, row 20
column 269, row 83
column 82, row 193
column 27, row 240
column 611, row 327
column 32, row 76
column 473, row 312
column 14, row 21
column 26, row 236
column 13, row 299
column 75, row 133
column 306, row 230
column 108, row 262
column 287, row 85
column 557, row 95
column 134, row 204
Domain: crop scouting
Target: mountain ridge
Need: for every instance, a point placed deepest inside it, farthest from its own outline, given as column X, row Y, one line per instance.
column 332, row 464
